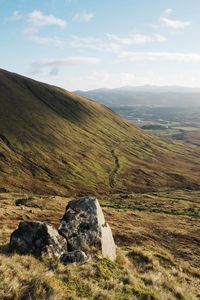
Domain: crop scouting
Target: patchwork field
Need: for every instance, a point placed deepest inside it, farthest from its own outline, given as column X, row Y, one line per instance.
column 178, row 123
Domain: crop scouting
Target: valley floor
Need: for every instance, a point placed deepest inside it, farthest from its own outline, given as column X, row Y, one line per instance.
column 158, row 239
column 178, row 123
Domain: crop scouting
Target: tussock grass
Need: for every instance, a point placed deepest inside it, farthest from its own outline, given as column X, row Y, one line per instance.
column 24, row 277
column 152, row 262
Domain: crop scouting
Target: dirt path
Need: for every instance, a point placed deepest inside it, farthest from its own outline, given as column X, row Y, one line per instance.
column 115, row 170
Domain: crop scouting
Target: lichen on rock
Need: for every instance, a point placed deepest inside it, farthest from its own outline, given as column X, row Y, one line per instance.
column 83, row 225
column 38, row 239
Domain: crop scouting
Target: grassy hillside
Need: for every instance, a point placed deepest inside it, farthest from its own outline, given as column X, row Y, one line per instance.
column 157, row 256
column 53, row 141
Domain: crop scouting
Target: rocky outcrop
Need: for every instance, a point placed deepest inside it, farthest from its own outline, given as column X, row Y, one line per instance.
column 38, row 239
column 82, row 228
column 83, row 225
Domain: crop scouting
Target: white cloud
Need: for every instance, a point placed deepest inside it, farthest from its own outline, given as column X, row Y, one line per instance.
column 37, row 19
column 168, row 12
column 160, row 38
column 94, row 43
column 16, row 16
column 54, row 72
column 135, row 39
column 157, row 56
column 113, row 43
column 43, row 40
column 130, row 40
column 171, row 23
column 77, row 60
column 54, row 64
column 84, row 16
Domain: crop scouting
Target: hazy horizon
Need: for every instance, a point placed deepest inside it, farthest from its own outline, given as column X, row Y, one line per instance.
column 191, row 88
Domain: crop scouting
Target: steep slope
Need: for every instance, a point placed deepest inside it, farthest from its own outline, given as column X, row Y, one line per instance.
column 53, row 141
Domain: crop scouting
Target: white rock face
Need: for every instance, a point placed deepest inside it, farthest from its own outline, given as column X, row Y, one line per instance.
column 83, row 224
column 108, row 247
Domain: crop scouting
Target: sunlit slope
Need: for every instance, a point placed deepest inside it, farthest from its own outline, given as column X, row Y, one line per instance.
column 52, row 140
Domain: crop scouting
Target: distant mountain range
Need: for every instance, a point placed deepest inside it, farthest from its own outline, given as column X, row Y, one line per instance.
column 166, row 96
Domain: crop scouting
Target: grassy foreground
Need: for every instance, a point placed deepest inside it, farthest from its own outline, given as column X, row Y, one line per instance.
column 158, row 250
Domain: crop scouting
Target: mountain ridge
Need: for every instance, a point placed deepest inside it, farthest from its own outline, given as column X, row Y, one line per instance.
column 148, row 87
column 164, row 96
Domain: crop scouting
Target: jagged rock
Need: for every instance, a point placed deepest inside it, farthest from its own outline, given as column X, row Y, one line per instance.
column 83, row 225
column 38, row 239
column 74, row 256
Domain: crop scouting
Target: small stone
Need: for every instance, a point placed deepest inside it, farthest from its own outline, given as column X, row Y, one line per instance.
column 74, row 256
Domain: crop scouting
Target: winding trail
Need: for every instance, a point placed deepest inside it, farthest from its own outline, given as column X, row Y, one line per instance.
column 115, row 170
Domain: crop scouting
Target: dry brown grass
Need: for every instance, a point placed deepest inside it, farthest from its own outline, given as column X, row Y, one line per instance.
column 158, row 250
column 192, row 137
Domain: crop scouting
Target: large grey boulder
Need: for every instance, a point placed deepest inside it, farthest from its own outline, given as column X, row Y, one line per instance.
column 83, row 225
column 38, row 239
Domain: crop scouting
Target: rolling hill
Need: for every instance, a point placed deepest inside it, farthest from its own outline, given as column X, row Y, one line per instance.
column 54, row 141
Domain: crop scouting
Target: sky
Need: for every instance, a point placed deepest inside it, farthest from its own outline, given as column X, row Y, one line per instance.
column 89, row 44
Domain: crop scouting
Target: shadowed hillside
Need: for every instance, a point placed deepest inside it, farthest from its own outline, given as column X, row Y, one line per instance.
column 53, row 141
